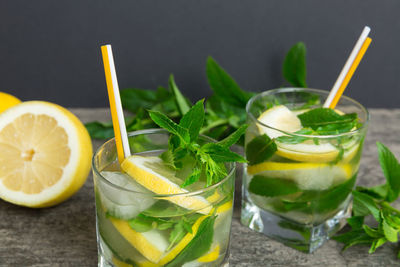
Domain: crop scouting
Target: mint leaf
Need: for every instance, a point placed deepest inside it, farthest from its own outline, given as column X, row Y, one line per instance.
column 353, row 237
column 168, row 158
column 363, row 205
column 163, row 208
column 310, row 100
column 272, row 187
column 181, row 102
column 234, row 137
column 391, row 169
column 193, row 120
column 187, row 225
column 391, row 234
column 377, row 243
column 294, row 65
column 260, row 149
column 134, row 99
column 141, row 223
column 224, row 86
column 371, row 232
column 221, row 153
column 391, row 218
column 356, row 222
column 312, row 201
column 100, row 130
column 378, row 192
column 199, row 245
column 166, row 123
column 176, row 234
column 194, row 177
column 327, row 121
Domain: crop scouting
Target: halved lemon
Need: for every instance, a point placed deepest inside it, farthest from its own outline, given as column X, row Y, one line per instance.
column 151, row 173
column 7, row 101
column 45, row 154
column 307, row 176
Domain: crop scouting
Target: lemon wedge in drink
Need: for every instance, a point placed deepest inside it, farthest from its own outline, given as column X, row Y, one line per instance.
column 150, row 244
column 282, row 118
column 278, row 117
column 152, row 174
column 212, row 255
column 45, row 154
column 307, row 176
column 153, row 244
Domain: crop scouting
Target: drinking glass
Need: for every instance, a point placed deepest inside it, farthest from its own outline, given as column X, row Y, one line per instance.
column 301, row 194
column 136, row 227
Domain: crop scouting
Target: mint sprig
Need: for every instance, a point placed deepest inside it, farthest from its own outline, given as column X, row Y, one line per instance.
column 376, row 201
column 209, row 158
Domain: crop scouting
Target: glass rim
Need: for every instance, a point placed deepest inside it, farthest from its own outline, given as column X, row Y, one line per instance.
column 152, row 194
column 299, row 89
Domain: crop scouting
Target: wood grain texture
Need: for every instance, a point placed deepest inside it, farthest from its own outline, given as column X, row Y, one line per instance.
column 65, row 235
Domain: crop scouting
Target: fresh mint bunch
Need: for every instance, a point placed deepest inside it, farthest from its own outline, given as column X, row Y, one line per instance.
column 184, row 146
column 225, row 108
column 375, row 201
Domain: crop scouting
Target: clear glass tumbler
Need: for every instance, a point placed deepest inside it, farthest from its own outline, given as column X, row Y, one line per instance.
column 136, row 227
column 299, row 194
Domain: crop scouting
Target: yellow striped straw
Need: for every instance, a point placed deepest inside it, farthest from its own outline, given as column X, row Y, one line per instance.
column 117, row 115
column 349, row 68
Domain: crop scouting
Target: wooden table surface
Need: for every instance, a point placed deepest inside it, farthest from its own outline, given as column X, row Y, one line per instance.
column 65, row 235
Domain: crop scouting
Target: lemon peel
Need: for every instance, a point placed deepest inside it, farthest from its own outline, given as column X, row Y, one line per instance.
column 7, row 101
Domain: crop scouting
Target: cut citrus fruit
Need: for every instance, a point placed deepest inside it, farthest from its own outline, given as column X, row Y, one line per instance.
column 308, row 151
column 152, row 173
column 307, row 176
column 280, row 117
column 45, row 154
column 212, row 255
column 153, row 244
column 7, row 101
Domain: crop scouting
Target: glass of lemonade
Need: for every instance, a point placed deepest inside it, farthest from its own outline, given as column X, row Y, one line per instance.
column 302, row 165
column 137, row 227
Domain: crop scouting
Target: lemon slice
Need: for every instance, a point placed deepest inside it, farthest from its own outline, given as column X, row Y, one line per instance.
column 7, row 101
column 151, row 173
column 153, row 244
column 307, row 176
column 210, row 256
column 119, row 263
column 307, row 151
column 45, row 154
column 280, row 117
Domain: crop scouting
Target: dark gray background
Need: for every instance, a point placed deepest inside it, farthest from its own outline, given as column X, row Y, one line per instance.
column 50, row 50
